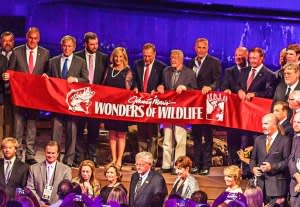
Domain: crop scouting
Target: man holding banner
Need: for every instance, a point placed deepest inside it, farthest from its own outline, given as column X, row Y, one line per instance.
column 180, row 78
column 73, row 69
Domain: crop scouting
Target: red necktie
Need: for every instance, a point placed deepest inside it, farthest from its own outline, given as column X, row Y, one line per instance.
column 146, row 78
column 30, row 65
column 251, row 78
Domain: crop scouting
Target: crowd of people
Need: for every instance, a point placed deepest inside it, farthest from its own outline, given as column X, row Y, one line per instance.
column 274, row 160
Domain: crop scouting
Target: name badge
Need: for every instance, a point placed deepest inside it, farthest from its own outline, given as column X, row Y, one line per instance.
column 47, row 192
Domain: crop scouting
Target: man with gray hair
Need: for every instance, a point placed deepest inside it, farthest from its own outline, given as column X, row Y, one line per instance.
column 146, row 185
column 294, row 102
column 179, row 78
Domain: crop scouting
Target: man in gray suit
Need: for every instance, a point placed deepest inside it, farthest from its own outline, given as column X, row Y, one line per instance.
column 97, row 62
column 180, row 78
column 32, row 59
column 269, row 160
column 44, row 177
column 72, row 68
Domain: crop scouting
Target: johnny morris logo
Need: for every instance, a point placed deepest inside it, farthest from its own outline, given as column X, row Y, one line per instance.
column 79, row 100
column 215, row 105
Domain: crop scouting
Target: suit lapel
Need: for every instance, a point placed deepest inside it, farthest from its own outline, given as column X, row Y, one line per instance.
column 38, row 59
column 57, row 66
column 144, row 185
column 273, row 146
column 25, row 58
column 43, row 173
column 2, row 171
column 141, row 73
column 257, row 78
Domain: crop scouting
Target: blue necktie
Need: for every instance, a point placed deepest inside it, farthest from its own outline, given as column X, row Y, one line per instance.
column 64, row 72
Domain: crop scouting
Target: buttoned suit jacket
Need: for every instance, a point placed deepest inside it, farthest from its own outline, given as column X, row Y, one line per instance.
column 17, row 179
column 153, row 187
column 77, row 69
column 187, row 78
column 231, row 76
column 155, row 77
column 263, row 84
column 101, row 64
column 277, row 180
column 37, row 179
column 190, row 185
column 209, row 74
column 18, row 60
column 294, row 156
column 280, row 91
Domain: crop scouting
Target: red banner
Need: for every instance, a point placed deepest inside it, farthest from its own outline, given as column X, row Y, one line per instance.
column 190, row 107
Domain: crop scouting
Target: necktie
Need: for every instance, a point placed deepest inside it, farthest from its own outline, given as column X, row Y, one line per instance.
column 7, row 170
column 174, row 79
column 64, row 72
column 91, row 68
column 49, row 174
column 251, row 78
column 30, row 62
column 268, row 144
column 286, row 97
column 138, row 185
column 146, row 78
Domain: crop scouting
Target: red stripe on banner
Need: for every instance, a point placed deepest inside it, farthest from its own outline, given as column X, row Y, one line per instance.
column 97, row 101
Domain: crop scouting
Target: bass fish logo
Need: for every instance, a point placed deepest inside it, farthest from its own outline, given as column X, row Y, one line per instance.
column 79, row 100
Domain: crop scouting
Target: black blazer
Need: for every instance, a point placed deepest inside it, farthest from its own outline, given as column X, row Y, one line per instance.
column 294, row 156
column 17, row 179
column 101, row 63
column 276, row 181
column 231, row 76
column 263, row 84
column 154, row 189
column 155, row 77
column 209, row 74
column 187, row 78
column 288, row 129
column 78, row 68
column 3, row 67
column 280, row 91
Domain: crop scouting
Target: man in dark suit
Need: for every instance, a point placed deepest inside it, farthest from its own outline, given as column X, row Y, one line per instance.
column 97, row 62
column 294, row 166
column 229, row 85
column 147, row 188
column 7, row 45
column 208, row 73
column 72, row 68
column 44, row 177
column 269, row 160
column 32, row 59
column 291, row 73
column 256, row 80
column 280, row 109
column 148, row 75
column 3, row 66
column 180, row 78
column 293, row 53
column 13, row 172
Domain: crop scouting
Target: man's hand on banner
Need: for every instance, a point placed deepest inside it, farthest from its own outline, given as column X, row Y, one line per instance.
column 242, row 94
column 249, row 96
column 227, row 91
column 5, row 76
column 45, row 75
column 206, row 89
column 180, row 88
column 72, row 79
column 161, row 89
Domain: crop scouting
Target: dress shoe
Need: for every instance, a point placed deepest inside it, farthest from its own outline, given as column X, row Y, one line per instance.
column 204, row 172
column 195, row 170
column 31, row 161
column 162, row 170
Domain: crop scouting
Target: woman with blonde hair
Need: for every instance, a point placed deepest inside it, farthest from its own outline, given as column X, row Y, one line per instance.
column 113, row 177
column 232, row 178
column 86, row 179
column 118, row 75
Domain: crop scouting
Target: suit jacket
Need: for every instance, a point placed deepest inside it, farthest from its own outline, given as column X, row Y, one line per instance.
column 101, row 64
column 18, row 60
column 187, row 78
column 17, row 179
column 294, row 156
column 37, row 180
column 3, row 67
column 231, row 76
column 78, row 68
column 263, row 84
column 210, row 72
column 153, row 189
column 276, row 181
column 155, row 77
column 280, row 91
column 190, row 185
column 288, row 129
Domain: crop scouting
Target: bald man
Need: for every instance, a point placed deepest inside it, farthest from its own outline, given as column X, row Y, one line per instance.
column 269, row 160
